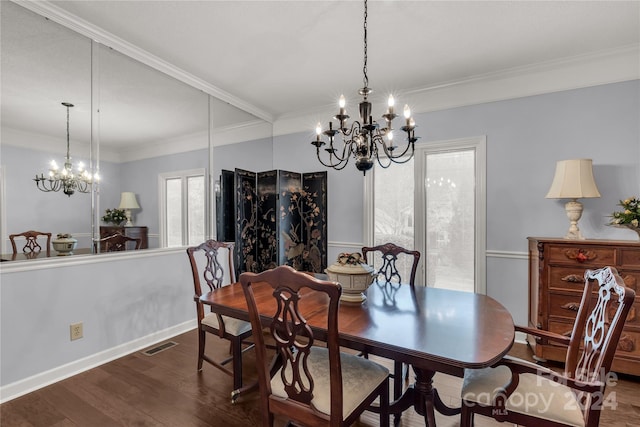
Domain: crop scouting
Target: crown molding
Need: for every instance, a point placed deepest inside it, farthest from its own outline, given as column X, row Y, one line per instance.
column 56, row 146
column 85, row 28
column 247, row 131
column 611, row 66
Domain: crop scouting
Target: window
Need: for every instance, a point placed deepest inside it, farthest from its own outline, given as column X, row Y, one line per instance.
column 436, row 204
column 182, row 208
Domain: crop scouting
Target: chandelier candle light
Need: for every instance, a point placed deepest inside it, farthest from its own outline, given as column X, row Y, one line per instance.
column 364, row 139
column 65, row 179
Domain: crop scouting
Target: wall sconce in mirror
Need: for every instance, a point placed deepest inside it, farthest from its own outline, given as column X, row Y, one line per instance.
column 65, row 179
column 127, row 202
column 573, row 180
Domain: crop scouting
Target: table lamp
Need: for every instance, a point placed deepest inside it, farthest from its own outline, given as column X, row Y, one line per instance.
column 127, row 202
column 573, row 180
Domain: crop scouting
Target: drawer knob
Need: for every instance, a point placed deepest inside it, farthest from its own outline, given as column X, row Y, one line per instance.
column 573, row 306
column 580, row 255
column 573, row 278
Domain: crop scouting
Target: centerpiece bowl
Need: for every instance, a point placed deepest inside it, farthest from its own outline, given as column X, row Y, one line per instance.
column 64, row 244
column 353, row 274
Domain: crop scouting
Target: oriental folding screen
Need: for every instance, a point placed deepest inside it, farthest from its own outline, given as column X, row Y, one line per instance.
column 279, row 218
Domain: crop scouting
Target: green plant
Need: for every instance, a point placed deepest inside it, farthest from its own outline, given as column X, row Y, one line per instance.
column 114, row 216
column 630, row 213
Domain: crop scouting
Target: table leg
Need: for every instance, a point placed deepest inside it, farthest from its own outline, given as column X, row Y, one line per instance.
column 424, row 399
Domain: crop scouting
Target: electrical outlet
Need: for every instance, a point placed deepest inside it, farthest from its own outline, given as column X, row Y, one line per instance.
column 76, row 331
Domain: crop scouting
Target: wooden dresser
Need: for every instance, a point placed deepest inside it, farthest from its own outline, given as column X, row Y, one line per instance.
column 134, row 232
column 556, row 282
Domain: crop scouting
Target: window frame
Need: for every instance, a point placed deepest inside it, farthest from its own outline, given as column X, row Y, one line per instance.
column 476, row 143
column 183, row 175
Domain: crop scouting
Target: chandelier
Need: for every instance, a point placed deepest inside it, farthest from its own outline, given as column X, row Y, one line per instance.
column 65, row 179
column 364, row 139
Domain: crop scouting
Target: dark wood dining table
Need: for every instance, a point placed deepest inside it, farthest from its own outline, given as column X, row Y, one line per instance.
column 25, row 256
column 434, row 330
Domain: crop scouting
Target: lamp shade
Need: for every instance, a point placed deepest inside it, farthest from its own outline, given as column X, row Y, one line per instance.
column 128, row 201
column 573, row 180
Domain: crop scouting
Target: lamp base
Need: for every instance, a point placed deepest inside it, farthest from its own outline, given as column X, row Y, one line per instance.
column 127, row 213
column 574, row 213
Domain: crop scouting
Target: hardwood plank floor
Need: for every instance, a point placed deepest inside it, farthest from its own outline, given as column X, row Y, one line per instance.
column 166, row 390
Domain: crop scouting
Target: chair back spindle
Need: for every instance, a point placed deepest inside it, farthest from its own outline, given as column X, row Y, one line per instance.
column 31, row 241
column 390, row 256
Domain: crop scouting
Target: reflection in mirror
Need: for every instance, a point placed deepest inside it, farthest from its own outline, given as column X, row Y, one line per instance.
column 153, row 136
column 152, row 127
column 239, row 140
column 43, row 65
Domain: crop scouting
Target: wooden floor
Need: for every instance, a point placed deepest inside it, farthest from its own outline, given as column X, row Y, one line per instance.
column 166, row 390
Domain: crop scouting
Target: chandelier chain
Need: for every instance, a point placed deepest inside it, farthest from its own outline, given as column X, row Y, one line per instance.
column 68, row 157
column 364, row 68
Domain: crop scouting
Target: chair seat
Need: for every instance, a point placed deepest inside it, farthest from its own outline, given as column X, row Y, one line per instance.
column 359, row 377
column 534, row 395
column 232, row 326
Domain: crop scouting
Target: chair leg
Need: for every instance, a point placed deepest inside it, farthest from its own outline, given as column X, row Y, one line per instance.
column 466, row 416
column 384, row 405
column 236, row 353
column 201, row 345
column 398, row 379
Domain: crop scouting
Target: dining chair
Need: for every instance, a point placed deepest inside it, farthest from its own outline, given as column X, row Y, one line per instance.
column 31, row 242
column 117, row 242
column 389, row 256
column 315, row 385
column 206, row 267
column 532, row 395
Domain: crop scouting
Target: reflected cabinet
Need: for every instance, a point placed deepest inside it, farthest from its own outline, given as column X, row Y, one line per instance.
column 133, row 232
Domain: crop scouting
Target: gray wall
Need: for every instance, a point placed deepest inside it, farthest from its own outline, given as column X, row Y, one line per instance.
column 122, row 300
column 119, row 299
column 141, row 177
column 525, row 138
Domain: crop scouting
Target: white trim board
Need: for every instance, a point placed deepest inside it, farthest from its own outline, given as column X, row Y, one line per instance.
column 43, row 379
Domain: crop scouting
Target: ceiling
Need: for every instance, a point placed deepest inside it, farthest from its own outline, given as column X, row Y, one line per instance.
column 284, row 59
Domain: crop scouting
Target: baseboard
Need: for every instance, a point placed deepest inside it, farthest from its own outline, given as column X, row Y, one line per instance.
column 43, row 379
column 521, row 338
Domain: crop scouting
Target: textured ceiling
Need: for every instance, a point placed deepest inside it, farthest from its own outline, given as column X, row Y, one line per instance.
column 281, row 58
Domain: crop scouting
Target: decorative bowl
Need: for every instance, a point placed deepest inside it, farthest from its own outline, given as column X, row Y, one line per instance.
column 354, row 279
column 64, row 244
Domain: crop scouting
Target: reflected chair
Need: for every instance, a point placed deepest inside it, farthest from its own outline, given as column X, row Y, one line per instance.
column 390, row 256
column 118, row 242
column 315, row 385
column 31, row 242
column 206, row 267
column 531, row 395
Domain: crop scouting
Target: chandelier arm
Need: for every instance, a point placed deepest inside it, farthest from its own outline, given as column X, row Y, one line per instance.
column 410, row 145
column 345, row 153
column 337, row 166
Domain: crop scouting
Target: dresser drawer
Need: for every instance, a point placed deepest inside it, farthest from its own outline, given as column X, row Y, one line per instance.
column 564, row 305
column 571, row 278
column 564, row 308
column 629, row 344
column 630, row 257
column 582, row 255
column 631, row 279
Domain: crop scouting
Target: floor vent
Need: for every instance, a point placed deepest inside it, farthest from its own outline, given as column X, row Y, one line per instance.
column 162, row 347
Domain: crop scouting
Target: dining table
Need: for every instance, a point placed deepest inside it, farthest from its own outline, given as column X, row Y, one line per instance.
column 431, row 329
column 25, row 256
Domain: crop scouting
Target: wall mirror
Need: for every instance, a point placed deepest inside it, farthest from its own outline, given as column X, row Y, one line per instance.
column 144, row 124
